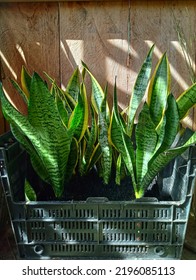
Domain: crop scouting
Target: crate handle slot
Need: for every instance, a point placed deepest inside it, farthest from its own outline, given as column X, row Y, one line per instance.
column 159, row 250
column 146, row 199
column 38, row 249
column 97, row 199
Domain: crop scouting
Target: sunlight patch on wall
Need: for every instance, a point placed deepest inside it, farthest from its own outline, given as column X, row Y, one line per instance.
column 174, row 73
column 157, row 52
column 188, row 61
column 9, row 99
column 21, row 52
column 71, row 49
column 122, row 45
column 8, row 65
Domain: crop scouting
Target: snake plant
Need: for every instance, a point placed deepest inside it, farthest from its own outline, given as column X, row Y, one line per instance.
column 50, row 133
column 100, row 105
column 60, row 143
column 158, row 127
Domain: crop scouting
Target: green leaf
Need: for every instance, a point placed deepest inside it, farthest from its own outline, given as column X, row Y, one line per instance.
column 72, row 160
column 95, row 157
column 139, row 89
column 146, row 140
column 104, row 142
column 64, row 95
column 64, row 115
column 36, row 162
column 78, row 121
column 121, row 141
column 90, row 144
column 73, row 86
column 159, row 89
column 106, row 151
column 100, row 105
column 30, row 194
column 169, row 127
column 172, row 124
column 97, row 93
column 63, row 105
column 186, row 100
column 9, row 112
column 162, row 160
column 47, row 134
column 118, row 169
column 51, row 139
column 160, row 135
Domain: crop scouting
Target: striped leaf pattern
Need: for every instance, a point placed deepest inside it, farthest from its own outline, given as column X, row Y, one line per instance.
column 72, row 160
column 64, row 95
column 56, row 135
column 156, row 130
column 78, row 121
column 47, row 134
column 118, row 169
column 95, row 157
column 97, row 92
column 89, row 145
column 146, row 140
column 105, row 148
column 171, row 125
column 162, row 160
column 73, row 86
column 64, row 108
column 186, row 101
column 37, row 164
column 99, row 102
column 121, row 141
column 54, row 142
column 159, row 89
column 139, row 89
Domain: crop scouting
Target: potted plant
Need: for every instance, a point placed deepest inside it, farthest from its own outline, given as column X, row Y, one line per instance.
column 96, row 179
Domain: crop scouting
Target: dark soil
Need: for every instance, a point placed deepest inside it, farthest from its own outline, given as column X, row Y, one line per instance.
column 80, row 188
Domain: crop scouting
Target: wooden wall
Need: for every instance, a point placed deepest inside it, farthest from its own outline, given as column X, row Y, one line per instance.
column 111, row 37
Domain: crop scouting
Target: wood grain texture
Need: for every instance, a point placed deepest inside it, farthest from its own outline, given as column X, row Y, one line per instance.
column 153, row 21
column 29, row 1
column 29, row 36
column 111, row 37
column 97, row 34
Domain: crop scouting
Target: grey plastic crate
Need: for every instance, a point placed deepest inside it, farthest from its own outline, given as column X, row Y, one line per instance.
column 99, row 228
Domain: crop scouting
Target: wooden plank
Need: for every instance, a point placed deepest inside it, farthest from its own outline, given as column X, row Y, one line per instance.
column 153, row 22
column 87, row 33
column 29, row 1
column 29, row 36
column 140, row 1
column 112, row 37
column 97, row 34
column 185, row 17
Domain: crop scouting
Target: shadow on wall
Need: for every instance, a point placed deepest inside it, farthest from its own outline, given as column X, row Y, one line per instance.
column 111, row 38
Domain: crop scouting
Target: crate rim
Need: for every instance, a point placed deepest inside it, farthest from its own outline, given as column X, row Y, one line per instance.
column 136, row 202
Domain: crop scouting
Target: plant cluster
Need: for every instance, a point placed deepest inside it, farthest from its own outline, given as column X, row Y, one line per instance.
column 61, row 143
